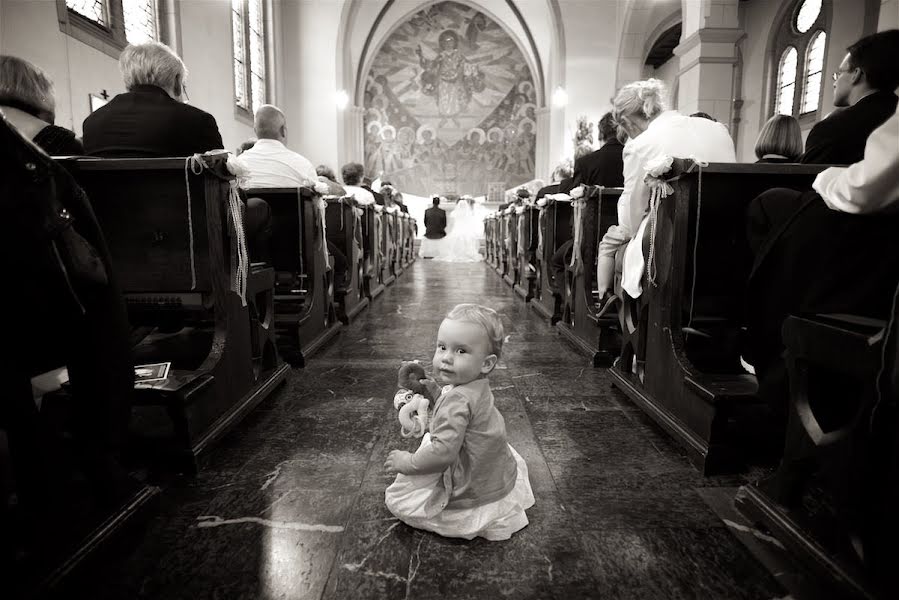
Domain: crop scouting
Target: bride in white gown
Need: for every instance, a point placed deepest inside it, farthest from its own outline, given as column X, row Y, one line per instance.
column 463, row 238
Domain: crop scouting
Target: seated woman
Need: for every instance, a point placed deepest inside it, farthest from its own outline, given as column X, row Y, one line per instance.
column 26, row 99
column 779, row 141
column 640, row 109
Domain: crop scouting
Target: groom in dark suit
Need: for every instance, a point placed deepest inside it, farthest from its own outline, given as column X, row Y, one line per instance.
column 435, row 221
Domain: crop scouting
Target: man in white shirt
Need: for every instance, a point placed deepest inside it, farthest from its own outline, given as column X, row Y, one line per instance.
column 269, row 162
column 870, row 185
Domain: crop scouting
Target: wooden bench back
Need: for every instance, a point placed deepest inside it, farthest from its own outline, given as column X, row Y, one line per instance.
column 159, row 241
column 708, row 212
column 294, row 229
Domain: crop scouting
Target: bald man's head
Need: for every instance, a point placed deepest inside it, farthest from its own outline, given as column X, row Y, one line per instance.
column 270, row 123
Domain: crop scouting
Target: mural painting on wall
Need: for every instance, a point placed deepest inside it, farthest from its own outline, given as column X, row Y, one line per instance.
column 450, row 105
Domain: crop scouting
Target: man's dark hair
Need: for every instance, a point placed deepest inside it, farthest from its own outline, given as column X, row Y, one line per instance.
column 386, row 182
column 352, row 173
column 608, row 129
column 704, row 115
column 435, row 201
column 876, row 55
column 366, row 181
column 326, row 172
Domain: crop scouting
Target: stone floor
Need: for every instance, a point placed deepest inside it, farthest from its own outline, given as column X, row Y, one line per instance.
column 290, row 505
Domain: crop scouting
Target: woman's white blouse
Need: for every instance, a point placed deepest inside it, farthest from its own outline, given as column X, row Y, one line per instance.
column 671, row 134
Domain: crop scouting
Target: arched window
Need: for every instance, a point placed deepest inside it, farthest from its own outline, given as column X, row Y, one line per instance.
column 248, row 29
column 800, row 45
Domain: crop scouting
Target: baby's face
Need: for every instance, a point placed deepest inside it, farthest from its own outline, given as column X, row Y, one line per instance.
column 462, row 353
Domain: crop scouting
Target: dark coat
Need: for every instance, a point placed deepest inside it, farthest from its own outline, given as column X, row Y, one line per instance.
column 840, row 138
column 148, row 122
column 602, row 167
column 54, row 255
column 435, row 223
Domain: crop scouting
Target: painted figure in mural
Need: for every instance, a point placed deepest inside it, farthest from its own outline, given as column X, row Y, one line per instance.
column 450, row 78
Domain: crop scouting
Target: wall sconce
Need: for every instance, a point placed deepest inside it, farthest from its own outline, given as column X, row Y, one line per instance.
column 341, row 98
column 560, row 97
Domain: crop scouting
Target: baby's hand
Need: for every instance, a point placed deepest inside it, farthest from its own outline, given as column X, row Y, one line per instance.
column 397, row 461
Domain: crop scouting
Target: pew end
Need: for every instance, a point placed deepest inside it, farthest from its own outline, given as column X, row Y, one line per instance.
column 680, row 353
column 831, row 501
column 175, row 245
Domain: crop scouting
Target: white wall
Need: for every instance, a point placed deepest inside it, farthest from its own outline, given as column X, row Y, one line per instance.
column 309, row 63
column 668, row 73
column 889, row 15
column 591, row 32
column 29, row 29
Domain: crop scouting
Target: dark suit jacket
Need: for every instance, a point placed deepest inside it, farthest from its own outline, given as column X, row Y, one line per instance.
column 379, row 198
column 148, row 122
column 840, row 138
column 550, row 189
column 603, row 167
column 435, row 223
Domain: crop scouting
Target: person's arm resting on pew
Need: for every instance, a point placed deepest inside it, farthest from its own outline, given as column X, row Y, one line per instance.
column 870, row 185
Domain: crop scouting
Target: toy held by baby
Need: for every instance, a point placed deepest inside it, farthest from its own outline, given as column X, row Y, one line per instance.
column 414, row 398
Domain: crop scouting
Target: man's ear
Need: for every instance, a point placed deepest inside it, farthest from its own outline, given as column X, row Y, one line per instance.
column 856, row 75
column 489, row 363
column 178, row 86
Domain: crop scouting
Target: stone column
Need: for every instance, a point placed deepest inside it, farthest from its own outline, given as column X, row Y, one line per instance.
column 351, row 136
column 708, row 59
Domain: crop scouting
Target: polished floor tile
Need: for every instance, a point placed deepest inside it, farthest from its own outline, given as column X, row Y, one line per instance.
column 290, row 505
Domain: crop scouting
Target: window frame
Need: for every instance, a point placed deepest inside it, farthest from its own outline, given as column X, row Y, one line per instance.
column 109, row 39
column 241, row 113
column 786, row 34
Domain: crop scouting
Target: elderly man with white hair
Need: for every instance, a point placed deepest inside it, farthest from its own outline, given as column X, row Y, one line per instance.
column 150, row 119
column 269, row 163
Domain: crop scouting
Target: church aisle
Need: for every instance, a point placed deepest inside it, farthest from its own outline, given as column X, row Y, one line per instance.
column 291, row 504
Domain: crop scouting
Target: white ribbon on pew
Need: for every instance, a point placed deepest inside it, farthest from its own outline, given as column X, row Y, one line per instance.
column 193, row 164
column 242, row 266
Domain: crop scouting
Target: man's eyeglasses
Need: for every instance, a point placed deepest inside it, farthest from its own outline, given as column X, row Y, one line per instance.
column 836, row 74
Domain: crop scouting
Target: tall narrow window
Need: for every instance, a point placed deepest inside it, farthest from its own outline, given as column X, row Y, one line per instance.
column 248, row 31
column 814, row 66
column 799, row 49
column 786, row 82
column 140, row 21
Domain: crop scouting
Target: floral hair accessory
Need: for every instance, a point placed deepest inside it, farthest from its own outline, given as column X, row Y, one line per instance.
column 577, row 192
column 321, row 188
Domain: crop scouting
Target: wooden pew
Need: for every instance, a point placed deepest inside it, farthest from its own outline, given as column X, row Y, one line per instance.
column 490, row 239
column 510, row 275
column 502, row 222
column 305, row 312
column 526, row 275
column 597, row 338
column 395, row 240
column 176, row 252
column 344, row 230
column 681, row 339
column 408, row 245
column 385, row 222
column 373, row 283
column 832, row 501
column 555, row 223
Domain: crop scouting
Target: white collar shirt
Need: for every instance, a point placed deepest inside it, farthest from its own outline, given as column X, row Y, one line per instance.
column 270, row 164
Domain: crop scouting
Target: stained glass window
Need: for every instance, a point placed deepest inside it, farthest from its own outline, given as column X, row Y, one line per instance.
column 797, row 58
column 814, row 65
column 807, row 15
column 257, row 53
column 95, row 10
column 248, row 29
column 240, row 71
column 786, row 82
column 140, row 21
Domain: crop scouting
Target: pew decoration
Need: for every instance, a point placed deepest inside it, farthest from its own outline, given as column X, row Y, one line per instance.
column 240, row 262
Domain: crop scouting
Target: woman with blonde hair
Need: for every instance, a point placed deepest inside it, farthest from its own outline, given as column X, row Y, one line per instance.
column 779, row 141
column 641, row 110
